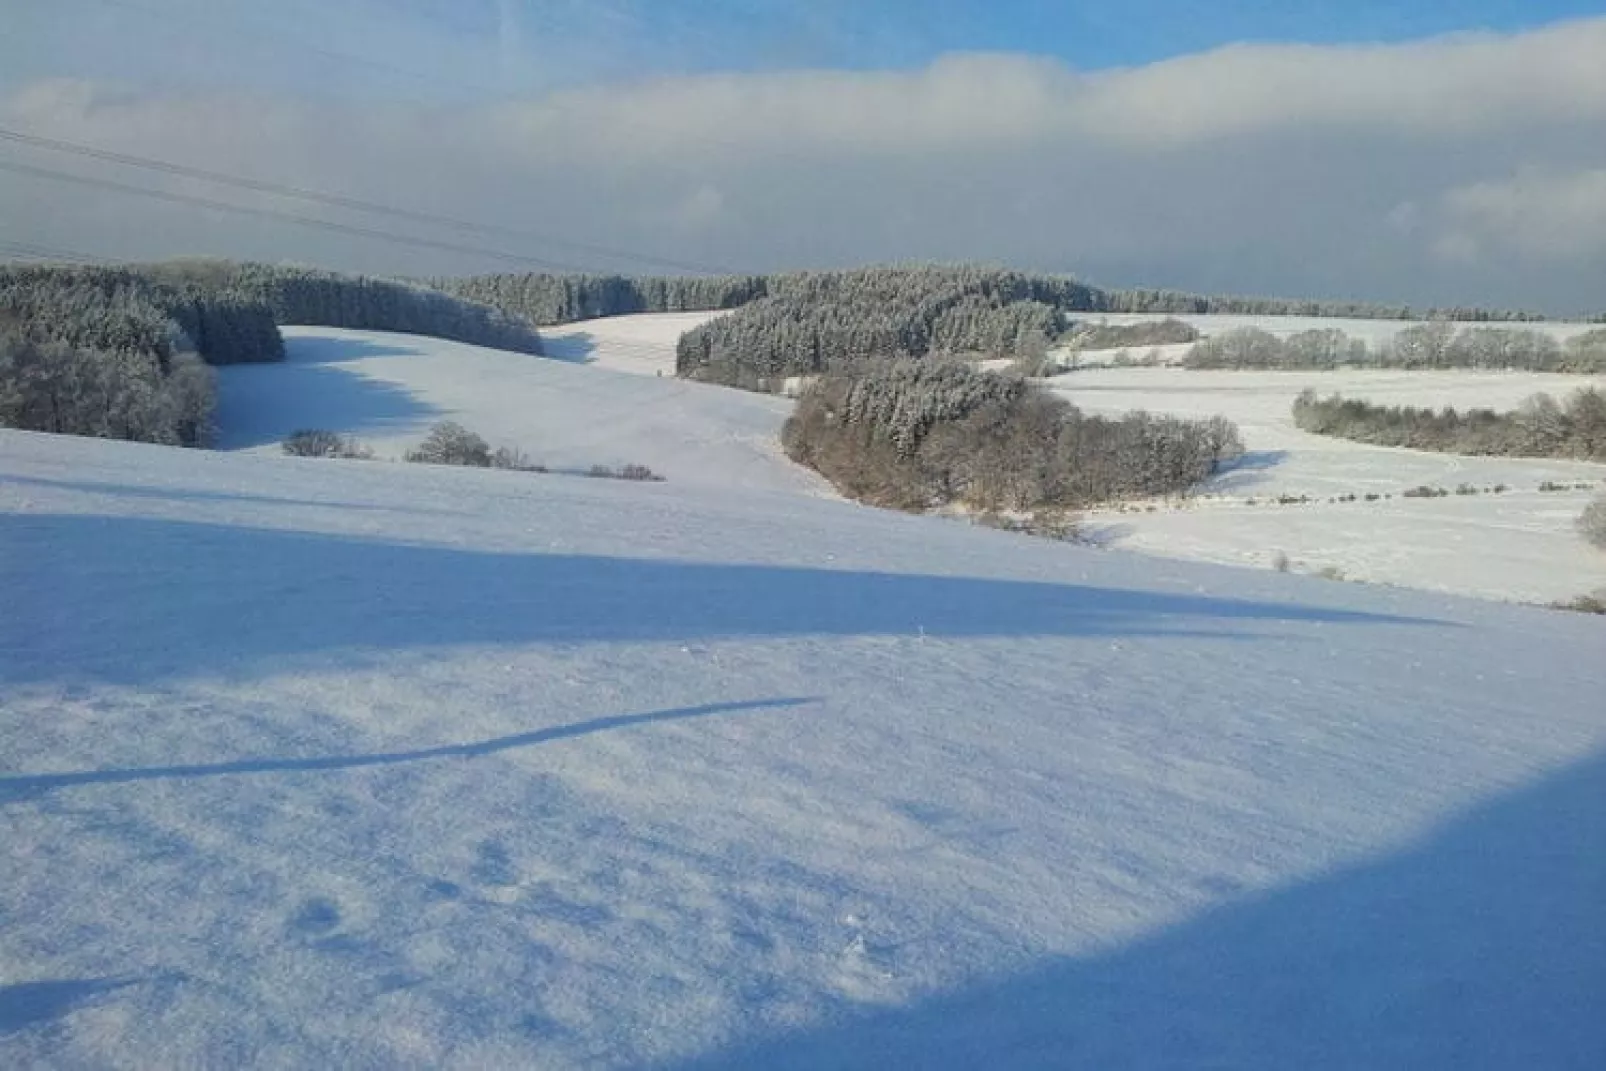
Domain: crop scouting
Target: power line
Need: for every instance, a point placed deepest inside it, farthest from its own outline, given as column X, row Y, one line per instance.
column 285, row 217
column 336, row 200
column 31, row 251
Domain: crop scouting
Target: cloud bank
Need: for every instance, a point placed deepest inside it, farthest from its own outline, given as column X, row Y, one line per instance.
column 1463, row 169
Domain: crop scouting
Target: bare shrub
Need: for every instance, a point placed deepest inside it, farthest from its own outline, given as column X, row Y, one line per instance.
column 640, row 473
column 1592, row 523
column 1584, row 604
column 514, row 460
column 450, row 443
column 316, row 442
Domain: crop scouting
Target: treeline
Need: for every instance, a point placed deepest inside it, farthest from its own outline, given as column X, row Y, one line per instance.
column 1540, row 427
column 842, row 321
column 919, row 434
column 558, row 299
column 313, row 297
column 1180, row 303
column 807, row 323
column 125, row 309
column 1436, row 345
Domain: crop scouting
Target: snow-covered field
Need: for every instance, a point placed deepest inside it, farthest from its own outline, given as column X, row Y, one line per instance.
column 388, row 389
column 1517, row 545
column 339, row 764
column 643, row 344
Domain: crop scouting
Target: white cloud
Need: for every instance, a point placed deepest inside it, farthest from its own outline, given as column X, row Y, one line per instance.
column 1356, row 171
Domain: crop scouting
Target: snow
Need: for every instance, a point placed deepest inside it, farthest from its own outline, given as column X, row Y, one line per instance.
column 317, row 763
column 643, row 344
column 388, row 389
column 1518, row 545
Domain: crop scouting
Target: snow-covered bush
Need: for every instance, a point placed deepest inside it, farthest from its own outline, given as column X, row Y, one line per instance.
column 450, row 443
column 1593, row 523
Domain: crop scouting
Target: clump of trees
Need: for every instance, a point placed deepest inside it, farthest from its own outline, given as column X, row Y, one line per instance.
column 67, row 389
column 449, row 443
column 1426, row 346
column 841, row 321
column 1540, row 427
column 920, row 434
column 111, row 353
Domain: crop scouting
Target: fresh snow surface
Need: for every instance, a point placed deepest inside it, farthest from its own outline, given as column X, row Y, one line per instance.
column 643, row 344
column 339, row 764
column 388, row 389
column 1518, row 545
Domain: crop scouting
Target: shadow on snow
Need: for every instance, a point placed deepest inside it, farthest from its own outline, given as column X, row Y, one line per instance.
column 138, row 600
column 1481, row 946
column 261, row 404
column 579, row 347
column 27, row 1005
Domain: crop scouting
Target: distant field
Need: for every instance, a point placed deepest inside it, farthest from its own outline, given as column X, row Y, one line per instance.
column 388, row 389
column 583, row 409
column 1519, row 544
column 643, row 344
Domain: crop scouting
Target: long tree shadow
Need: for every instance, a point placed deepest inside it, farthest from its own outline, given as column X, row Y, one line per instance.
column 1483, row 946
column 334, row 349
column 261, row 404
column 138, row 600
column 578, row 347
column 13, row 789
column 25, row 1005
column 1247, row 471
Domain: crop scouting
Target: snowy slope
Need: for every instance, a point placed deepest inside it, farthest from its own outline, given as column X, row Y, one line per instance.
column 387, row 389
column 328, row 764
column 1516, row 545
column 643, row 344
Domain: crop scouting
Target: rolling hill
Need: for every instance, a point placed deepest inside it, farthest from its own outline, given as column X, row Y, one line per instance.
column 368, row 764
